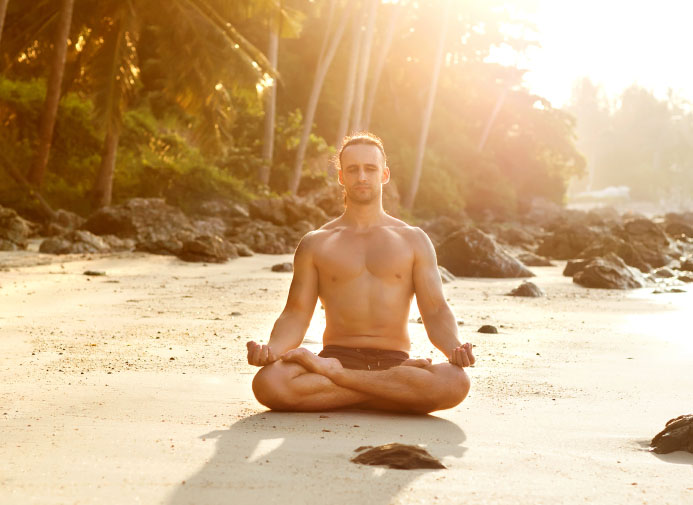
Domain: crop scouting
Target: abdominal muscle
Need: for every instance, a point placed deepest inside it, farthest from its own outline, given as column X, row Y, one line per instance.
column 372, row 316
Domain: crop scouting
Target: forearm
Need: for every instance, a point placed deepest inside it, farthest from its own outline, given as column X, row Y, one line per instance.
column 288, row 332
column 441, row 328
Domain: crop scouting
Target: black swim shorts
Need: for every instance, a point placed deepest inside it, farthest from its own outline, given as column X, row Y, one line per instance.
column 364, row 359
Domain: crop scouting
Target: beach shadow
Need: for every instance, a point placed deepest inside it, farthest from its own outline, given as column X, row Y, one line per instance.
column 677, row 457
column 304, row 458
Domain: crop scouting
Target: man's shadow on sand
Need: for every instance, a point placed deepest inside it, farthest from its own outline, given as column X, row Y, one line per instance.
column 302, row 458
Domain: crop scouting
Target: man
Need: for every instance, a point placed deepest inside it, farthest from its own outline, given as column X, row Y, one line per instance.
column 365, row 266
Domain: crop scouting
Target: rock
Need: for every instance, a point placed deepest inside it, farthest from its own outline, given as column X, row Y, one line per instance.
column 146, row 220
column 75, row 242
column 243, row 250
column 686, row 278
column 676, row 436
column 567, row 241
column 170, row 246
column 606, row 244
column 472, row 253
column 574, row 266
column 209, row 226
column 399, row 456
column 330, row 198
column 534, row 260
column 687, row 265
column 268, row 209
column 649, row 239
column 264, row 237
column 298, row 209
column 223, row 209
column 14, row 230
column 516, row 236
column 664, row 273
column 119, row 244
column 207, row 249
column 487, row 328
column 528, row 289
column 679, row 224
column 94, row 273
column 441, row 228
column 283, row 267
column 445, row 275
column 608, row 272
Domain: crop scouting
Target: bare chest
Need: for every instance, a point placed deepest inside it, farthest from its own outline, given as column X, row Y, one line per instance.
column 348, row 255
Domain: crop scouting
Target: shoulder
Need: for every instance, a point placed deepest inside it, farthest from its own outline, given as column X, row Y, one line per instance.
column 413, row 234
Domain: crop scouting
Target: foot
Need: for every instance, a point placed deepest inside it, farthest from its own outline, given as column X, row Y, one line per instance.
column 417, row 362
column 313, row 362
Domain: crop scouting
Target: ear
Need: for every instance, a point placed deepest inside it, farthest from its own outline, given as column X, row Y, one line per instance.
column 340, row 177
column 386, row 175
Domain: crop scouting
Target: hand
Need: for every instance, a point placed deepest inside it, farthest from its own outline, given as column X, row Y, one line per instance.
column 462, row 356
column 260, row 355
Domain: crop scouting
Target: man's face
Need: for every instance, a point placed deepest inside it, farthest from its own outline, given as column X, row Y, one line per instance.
column 363, row 172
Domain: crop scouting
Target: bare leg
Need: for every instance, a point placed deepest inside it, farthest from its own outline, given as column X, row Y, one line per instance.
column 289, row 386
column 415, row 388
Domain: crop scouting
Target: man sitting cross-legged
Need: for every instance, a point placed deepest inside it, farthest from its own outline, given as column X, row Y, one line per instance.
column 365, row 266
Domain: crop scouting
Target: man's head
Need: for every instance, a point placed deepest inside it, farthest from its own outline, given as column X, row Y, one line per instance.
column 362, row 166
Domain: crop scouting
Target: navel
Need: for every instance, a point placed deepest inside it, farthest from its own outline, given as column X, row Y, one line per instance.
column 399, row 276
column 334, row 278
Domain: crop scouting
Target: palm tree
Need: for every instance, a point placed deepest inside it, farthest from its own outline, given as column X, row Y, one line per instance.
column 428, row 111
column 54, row 84
column 330, row 43
column 350, row 84
column 3, row 11
column 369, row 16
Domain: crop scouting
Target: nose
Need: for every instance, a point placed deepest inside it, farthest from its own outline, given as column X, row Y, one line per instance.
column 362, row 174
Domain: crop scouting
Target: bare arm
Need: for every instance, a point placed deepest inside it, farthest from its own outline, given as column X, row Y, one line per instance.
column 291, row 326
column 436, row 314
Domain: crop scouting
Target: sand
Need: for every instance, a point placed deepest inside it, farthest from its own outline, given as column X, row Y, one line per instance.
column 133, row 388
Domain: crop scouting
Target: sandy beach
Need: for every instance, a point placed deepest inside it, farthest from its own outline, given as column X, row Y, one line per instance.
column 133, row 387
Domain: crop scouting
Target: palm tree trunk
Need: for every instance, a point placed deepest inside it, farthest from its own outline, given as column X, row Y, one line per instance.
column 379, row 64
column 103, row 187
column 50, row 107
column 3, row 11
column 364, row 60
column 428, row 112
column 270, row 98
column 350, row 84
column 318, row 80
column 492, row 119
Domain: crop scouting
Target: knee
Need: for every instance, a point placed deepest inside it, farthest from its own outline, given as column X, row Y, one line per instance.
column 270, row 386
column 456, row 386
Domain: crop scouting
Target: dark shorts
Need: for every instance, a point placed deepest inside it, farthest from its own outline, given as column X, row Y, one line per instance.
column 364, row 359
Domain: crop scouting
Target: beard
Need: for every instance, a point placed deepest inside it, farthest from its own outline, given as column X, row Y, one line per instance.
column 361, row 196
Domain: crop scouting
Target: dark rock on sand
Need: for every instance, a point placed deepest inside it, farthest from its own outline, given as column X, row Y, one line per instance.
column 574, row 266
column 487, row 328
column 146, row 220
column 649, row 239
column 608, row 272
column 606, row 244
column 664, row 273
column 534, row 260
column 679, row 225
column 283, row 267
column 687, row 265
column 94, row 273
column 207, row 249
column 528, row 289
column 686, row 278
column 567, row 241
column 14, row 230
column 472, row 253
column 75, row 242
column 676, row 436
column 399, row 456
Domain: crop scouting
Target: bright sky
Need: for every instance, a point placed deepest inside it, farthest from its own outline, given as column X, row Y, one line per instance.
column 614, row 42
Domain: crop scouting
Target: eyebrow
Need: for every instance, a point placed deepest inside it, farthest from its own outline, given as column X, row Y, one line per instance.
column 366, row 164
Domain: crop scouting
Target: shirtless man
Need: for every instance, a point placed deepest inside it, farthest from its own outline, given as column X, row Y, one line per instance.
column 365, row 266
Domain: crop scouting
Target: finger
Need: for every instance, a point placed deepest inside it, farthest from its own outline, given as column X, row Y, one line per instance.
column 271, row 356
column 264, row 354
column 256, row 355
column 470, row 354
column 251, row 348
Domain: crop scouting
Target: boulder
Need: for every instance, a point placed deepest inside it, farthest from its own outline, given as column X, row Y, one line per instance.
column 399, row 456
column 567, row 241
column 679, row 225
column 677, row 435
column 223, row 209
column 472, row 253
column 146, row 220
column 574, row 266
column 527, row 289
column 488, row 328
column 649, row 240
column 440, row 228
column 119, row 244
column 605, row 244
column 207, row 249
column 283, row 267
column 608, row 272
column 75, row 242
column 664, row 273
column 14, row 230
column 264, row 237
column 687, row 265
column 268, row 209
column 298, row 209
column 534, row 260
